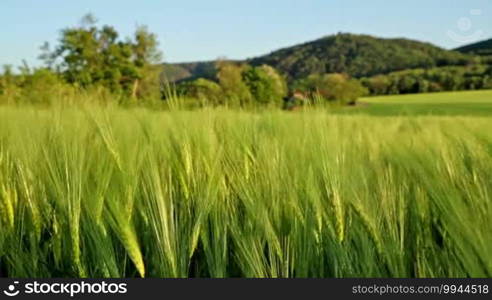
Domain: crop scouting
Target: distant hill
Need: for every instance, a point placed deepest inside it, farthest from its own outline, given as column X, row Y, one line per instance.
column 483, row 48
column 180, row 71
column 359, row 56
column 356, row 55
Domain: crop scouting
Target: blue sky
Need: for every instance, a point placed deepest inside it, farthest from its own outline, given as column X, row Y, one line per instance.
column 191, row 30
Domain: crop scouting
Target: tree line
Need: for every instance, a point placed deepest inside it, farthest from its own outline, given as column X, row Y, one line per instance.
column 96, row 61
column 90, row 57
column 238, row 84
column 454, row 78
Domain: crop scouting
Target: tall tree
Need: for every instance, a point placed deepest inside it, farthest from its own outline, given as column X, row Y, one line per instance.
column 90, row 55
column 265, row 84
column 146, row 56
column 230, row 78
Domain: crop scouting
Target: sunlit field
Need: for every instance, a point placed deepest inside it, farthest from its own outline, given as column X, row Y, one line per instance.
column 470, row 103
column 112, row 192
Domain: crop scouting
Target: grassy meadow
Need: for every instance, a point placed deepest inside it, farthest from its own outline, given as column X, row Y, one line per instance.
column 469, row 103
column 112, row 192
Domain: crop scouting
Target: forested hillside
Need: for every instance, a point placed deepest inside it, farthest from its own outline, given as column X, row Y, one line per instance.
column 355, row 55
column 481, row 48
column 358, row 56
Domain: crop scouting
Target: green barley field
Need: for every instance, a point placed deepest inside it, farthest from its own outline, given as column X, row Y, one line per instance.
column 113, row 192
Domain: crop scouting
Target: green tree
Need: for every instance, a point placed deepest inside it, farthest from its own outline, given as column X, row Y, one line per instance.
column 407, row 84
column 146, row 57
column 423, row 85
column 89, row 55
column 230, row 78
column 332, row 87
column 489, row 71
column 9, row 88
column 267, row 86
column 202, row 89
column 378, row 85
